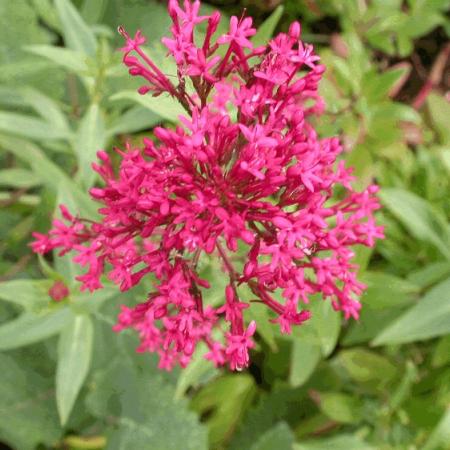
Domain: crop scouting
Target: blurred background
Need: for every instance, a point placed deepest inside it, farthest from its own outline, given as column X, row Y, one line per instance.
column 380, row 383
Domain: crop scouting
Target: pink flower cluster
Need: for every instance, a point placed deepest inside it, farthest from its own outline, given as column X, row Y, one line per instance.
column 243, row 178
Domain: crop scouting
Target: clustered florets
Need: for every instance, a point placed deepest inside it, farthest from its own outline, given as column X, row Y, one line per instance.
column 245, row 168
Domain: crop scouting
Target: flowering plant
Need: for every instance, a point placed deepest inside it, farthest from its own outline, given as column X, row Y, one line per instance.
column 245, row 169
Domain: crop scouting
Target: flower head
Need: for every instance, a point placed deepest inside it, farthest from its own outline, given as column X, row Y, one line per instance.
column 243, row 174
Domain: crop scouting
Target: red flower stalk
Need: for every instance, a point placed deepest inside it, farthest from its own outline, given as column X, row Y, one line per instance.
column 245, row 168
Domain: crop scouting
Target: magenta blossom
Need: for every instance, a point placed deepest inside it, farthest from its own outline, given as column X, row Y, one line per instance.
column 243, row 178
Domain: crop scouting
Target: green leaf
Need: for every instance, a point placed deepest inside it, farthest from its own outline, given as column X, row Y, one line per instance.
column 27, row 293
column 77, row 34
column 27, row 413
column 339, row 442
column 164, row 106
column 135, row 119
column 92, row 12
column 30, row 127
column 439, row 111
column 51, row 175
column 418, row 217
column 279, row 437
column 30, row 328
column 364, row 366
column 90, row 138
column 46, row 107
column 304, row 359
column 340, row 407
column 267, row 28
column 198, row 369
column 74, row 359
column 440, row 437
column 18, row 178
column 144, row 410
column 385, row 290
column 225, row 399
column 63, row 57
column 429, row 318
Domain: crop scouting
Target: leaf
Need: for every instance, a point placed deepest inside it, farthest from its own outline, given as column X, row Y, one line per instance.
column 77, row 34
column 340, row 407
column 90, row 138
column 27, row 413
column 27, row 293
column 51, row 175
column 92, row 12
column 64, row 57
column 385, row 290
column 144, row 410
column 429, row 318
column 439, row 111
column 164, row 106
column 46, row 107
column 279, row 437
column 198, row 369
column 418, row 217
column 74, row 359
column 275, row 406
column 30, row 328
column 225, row 400
column 304, row 359
column 30, row 127
column 18, row 178
column 135, row 119
column 339, row 442
column 364, row 366
column 440, row 437
column 267, row 28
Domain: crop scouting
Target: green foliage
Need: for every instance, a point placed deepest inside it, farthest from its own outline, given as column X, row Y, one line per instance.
column 68, row 381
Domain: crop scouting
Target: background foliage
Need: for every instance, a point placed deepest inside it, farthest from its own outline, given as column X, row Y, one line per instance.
column 68, row 382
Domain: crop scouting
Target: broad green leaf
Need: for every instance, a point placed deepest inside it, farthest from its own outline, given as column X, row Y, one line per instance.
column 164, row 106
column 89, row 139
column 27, row 413
column 418, row 217
column 432, row 273
column 279, row 437
column 46, row 107
column 146, row 414
column 272, row 407
column 92, row 12
column 429, row 318
column 47, row 13
column 63, row 57
column 226, row 400
column 198, row 369
column 267, row 28
column 27, row 293
column 304, row 359
column 340, row 407
column 364, row 366
column 339, row 442
column 439, row 110
column 30, row 127
column 322, row 329
column 74, row 359
column 385, row 290
column 30, row 328
column 135, row 119
column 440, row 437
column 77, row 34
column 51, row 175
column 18, row 178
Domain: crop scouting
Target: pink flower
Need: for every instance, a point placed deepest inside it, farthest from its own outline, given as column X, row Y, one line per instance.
column 245, row 173
column 58, row 291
